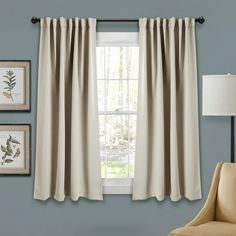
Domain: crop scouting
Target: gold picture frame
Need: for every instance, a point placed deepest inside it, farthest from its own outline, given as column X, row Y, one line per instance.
column 15, row 149
column 15, row 85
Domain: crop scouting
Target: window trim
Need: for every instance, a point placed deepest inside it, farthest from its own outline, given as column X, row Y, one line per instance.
column 117, row 185
column 117, row 39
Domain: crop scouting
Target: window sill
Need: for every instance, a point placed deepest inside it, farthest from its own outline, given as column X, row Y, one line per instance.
column 117, row 186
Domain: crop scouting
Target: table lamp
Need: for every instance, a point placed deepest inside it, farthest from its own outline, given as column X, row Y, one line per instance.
column 219, row 99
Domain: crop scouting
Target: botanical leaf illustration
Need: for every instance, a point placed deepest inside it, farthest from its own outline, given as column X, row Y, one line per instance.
column 3, row 149
column 10, row 82
column 7, row 95
column 8, row 154
column 8, row 160
column 8, row 150
column 17, row 153
column 15, row 141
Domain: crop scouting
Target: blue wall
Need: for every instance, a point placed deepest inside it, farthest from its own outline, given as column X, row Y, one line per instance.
column 117, row 215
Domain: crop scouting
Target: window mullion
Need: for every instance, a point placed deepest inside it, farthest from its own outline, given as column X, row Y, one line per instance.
column 118, row 113
column 113, row 79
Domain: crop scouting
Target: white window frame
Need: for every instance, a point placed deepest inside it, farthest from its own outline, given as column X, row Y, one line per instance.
column 117, row 185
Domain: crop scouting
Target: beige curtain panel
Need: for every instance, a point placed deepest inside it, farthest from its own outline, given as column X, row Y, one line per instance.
column 67, row 155
column 167, row 144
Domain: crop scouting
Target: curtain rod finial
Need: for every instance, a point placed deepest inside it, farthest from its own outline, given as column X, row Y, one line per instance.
column 200, row 20
column 35, row 20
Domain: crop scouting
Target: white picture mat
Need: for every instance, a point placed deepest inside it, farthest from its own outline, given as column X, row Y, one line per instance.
column 18, row 91
column 19, row 162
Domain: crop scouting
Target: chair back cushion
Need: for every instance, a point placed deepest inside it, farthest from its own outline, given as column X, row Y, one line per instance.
column 226, row 194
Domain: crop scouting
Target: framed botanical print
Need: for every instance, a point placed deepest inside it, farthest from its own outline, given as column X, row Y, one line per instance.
column 15, row 149
column 14, row 85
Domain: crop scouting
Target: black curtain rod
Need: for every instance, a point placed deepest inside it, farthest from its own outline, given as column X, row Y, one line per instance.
column 199, row 20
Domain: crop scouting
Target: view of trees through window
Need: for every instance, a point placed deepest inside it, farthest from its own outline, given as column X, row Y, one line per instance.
column 117, row 71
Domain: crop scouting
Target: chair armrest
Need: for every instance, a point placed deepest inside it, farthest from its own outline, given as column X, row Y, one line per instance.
column 207, row 213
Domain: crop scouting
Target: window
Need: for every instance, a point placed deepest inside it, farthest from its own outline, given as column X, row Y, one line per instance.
column 117, row 75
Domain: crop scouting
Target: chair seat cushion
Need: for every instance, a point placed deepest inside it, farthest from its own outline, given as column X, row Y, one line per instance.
column 212, row 228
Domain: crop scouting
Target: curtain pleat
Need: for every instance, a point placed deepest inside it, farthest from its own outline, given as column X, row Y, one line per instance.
column 167, row 142
column 67, row 151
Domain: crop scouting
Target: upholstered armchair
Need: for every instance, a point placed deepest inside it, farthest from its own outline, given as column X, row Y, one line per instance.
column 218, row 216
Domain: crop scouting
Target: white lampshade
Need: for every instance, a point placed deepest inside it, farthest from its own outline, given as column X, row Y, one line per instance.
column 219, row 95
